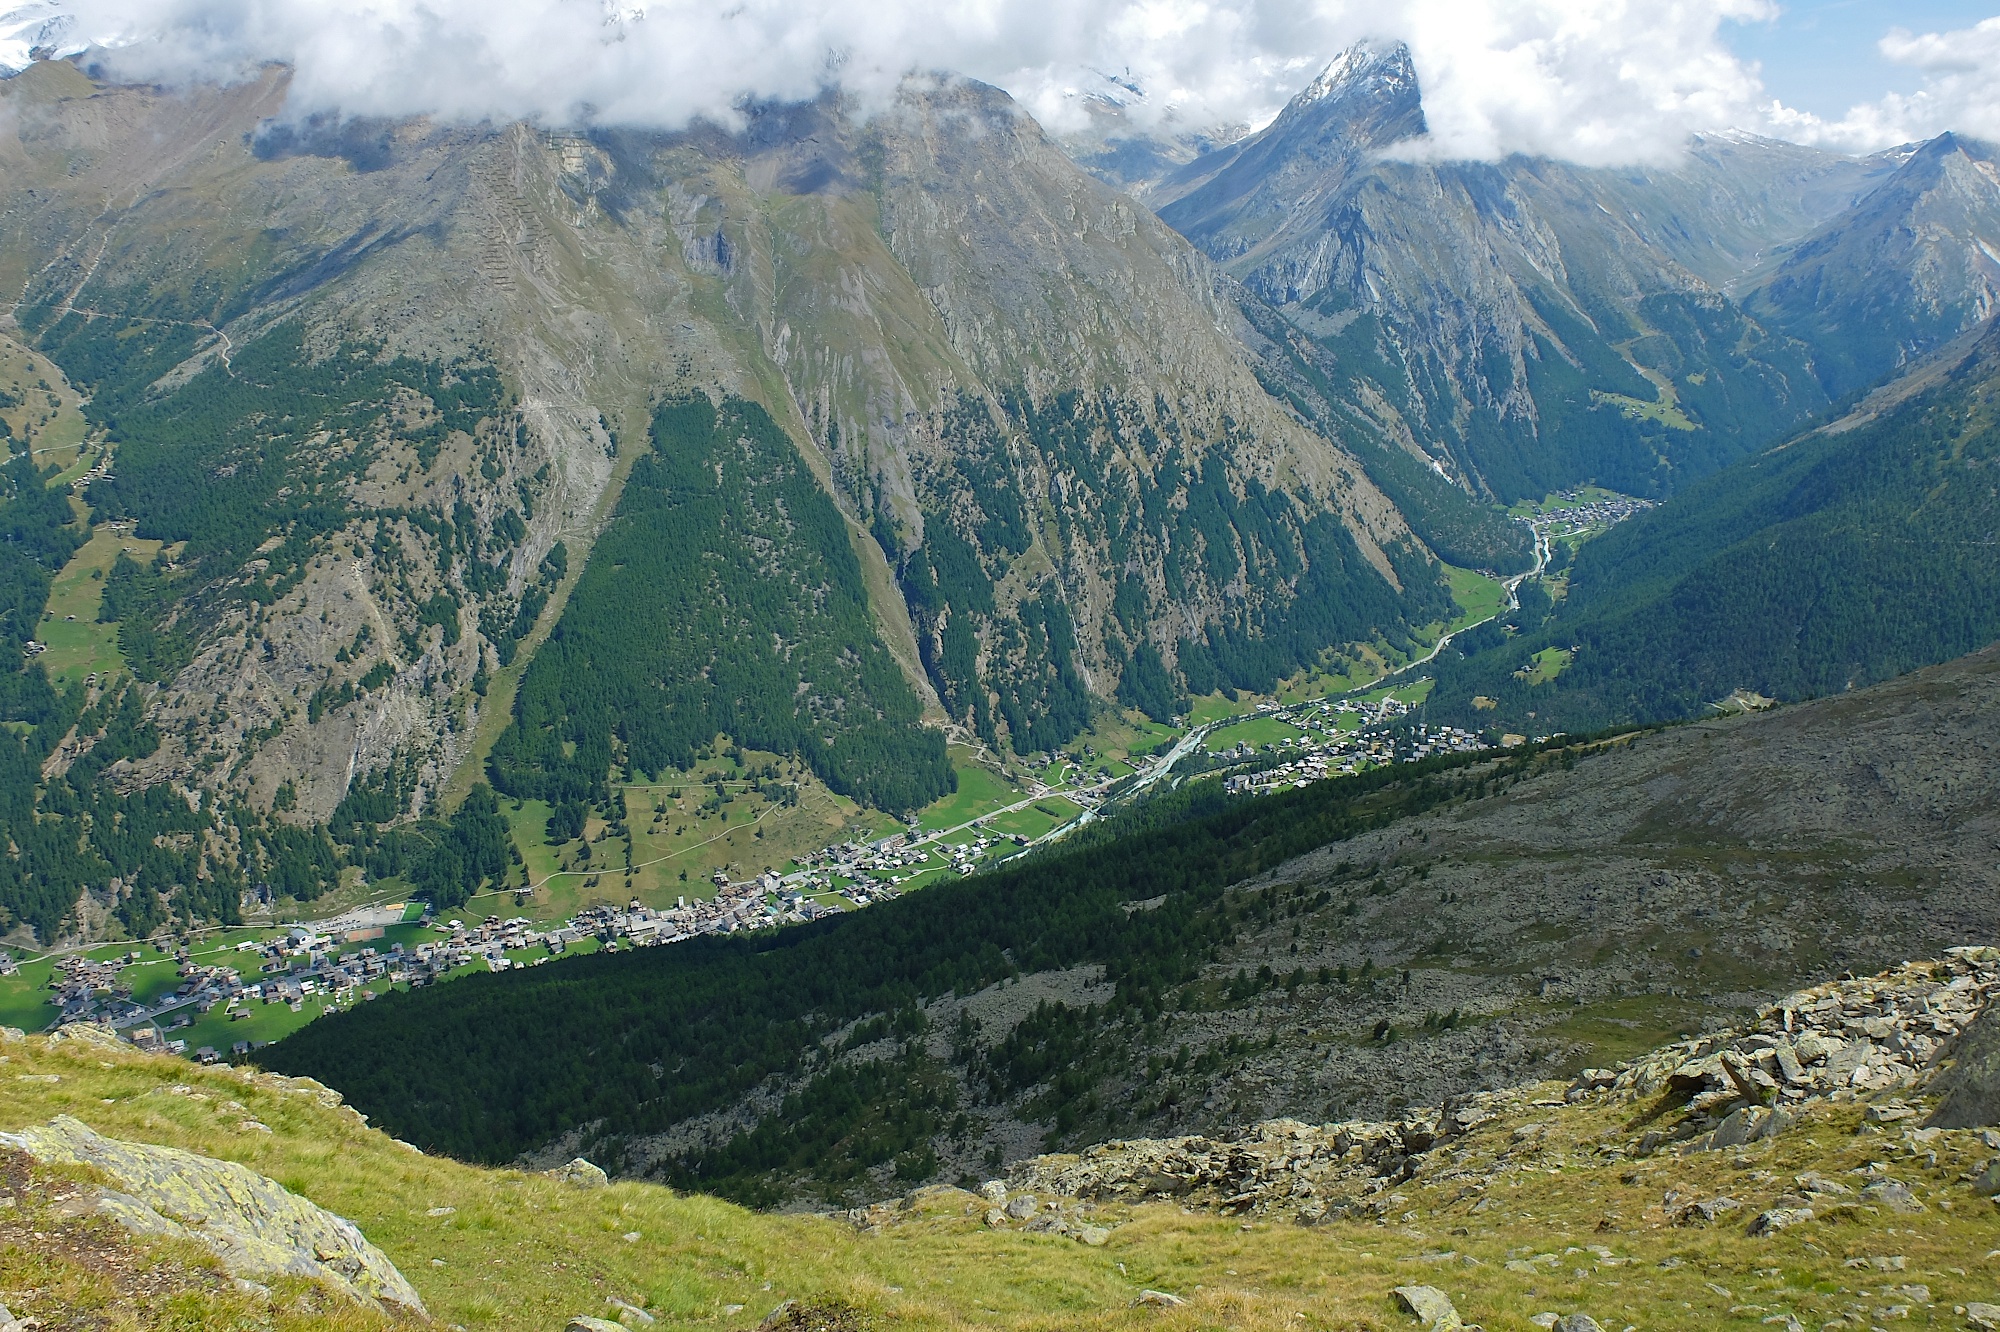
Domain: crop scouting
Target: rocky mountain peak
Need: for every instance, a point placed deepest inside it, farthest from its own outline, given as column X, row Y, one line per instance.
column 1369, row 97
column 1370, row 68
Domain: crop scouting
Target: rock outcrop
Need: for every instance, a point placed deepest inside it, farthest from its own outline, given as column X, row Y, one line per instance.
column 1968, row 1091
column 1832, row 1042
column 584, row 1174
column 256, row 1227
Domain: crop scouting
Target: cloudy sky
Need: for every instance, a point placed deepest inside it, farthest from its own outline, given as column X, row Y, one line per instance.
column 1597, row 81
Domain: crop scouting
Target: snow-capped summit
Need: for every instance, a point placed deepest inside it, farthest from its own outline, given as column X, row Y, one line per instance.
column 38, row 30
column 1371, row 68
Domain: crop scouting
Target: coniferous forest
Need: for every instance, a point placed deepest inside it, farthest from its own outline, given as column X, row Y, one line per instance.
column 724, row 598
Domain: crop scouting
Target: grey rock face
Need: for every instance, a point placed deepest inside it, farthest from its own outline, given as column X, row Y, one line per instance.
column 256, row 1227
column 1969, row 1090
column 1469, row 281
column 1901, row 274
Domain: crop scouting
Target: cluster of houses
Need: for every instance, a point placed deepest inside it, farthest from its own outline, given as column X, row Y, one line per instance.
column 764, row 902
column 1582, row 517
column 1327, row 750
column 347, row 965
column 874, row 870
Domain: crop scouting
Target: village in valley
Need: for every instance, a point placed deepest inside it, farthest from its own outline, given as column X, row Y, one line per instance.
column 222, row 994
column 194, row 999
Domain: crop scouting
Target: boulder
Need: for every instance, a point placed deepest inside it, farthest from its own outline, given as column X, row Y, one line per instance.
column 1431, row 1306
column 1021, row 1206
column 1748, row 1124
column 1892, row 1194
column 585, row 1323
column 1702, row 1213
column 1968, row 1092
column 1577, row 1322
column 1984, row 1316
column 1777, row 1218
column 580, row 1173
column 1094, row 1236
column 88, row 1033
column 256, row 1227
column 637, row 1317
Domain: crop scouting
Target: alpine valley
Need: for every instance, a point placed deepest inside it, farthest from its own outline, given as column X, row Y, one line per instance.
column 845, row 652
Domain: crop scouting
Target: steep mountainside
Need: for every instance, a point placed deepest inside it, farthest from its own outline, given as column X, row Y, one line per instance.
column 366, row 394
column 1850, row 555
column 1901, row 274
column 1339, row 950
column 1523, row 325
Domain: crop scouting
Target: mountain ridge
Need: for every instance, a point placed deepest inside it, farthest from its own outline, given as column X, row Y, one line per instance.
column 1534, row 325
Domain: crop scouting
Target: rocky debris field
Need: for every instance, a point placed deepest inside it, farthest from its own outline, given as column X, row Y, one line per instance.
column 1862, row 1038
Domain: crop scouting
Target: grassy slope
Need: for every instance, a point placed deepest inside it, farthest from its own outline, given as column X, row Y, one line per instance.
column 78, row 644
column 524, row 1252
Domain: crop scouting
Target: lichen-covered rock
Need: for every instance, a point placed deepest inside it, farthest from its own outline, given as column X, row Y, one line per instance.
column 256, row 1227
column 1431, row 1306
column 90, row 1033
column 581, row 1173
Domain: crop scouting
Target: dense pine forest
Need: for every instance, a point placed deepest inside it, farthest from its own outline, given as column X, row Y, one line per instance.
column 723, row 598
column 1278, row 579
column 496, row 1065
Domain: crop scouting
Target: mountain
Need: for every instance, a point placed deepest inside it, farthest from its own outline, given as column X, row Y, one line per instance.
column 1520, row 326
column 1340, row 950
column 362, row 399
column 1910, row 267
column 1851, row 554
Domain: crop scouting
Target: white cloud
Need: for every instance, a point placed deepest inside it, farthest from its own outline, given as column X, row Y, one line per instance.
column 1593, row 80
column 1602, row 82
column 1961, row 91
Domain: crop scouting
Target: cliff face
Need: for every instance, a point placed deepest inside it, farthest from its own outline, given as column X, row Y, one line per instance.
column 374, row 387
column 1526, row 323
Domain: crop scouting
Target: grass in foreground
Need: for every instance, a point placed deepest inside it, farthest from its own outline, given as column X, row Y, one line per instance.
column 1583, row 1226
